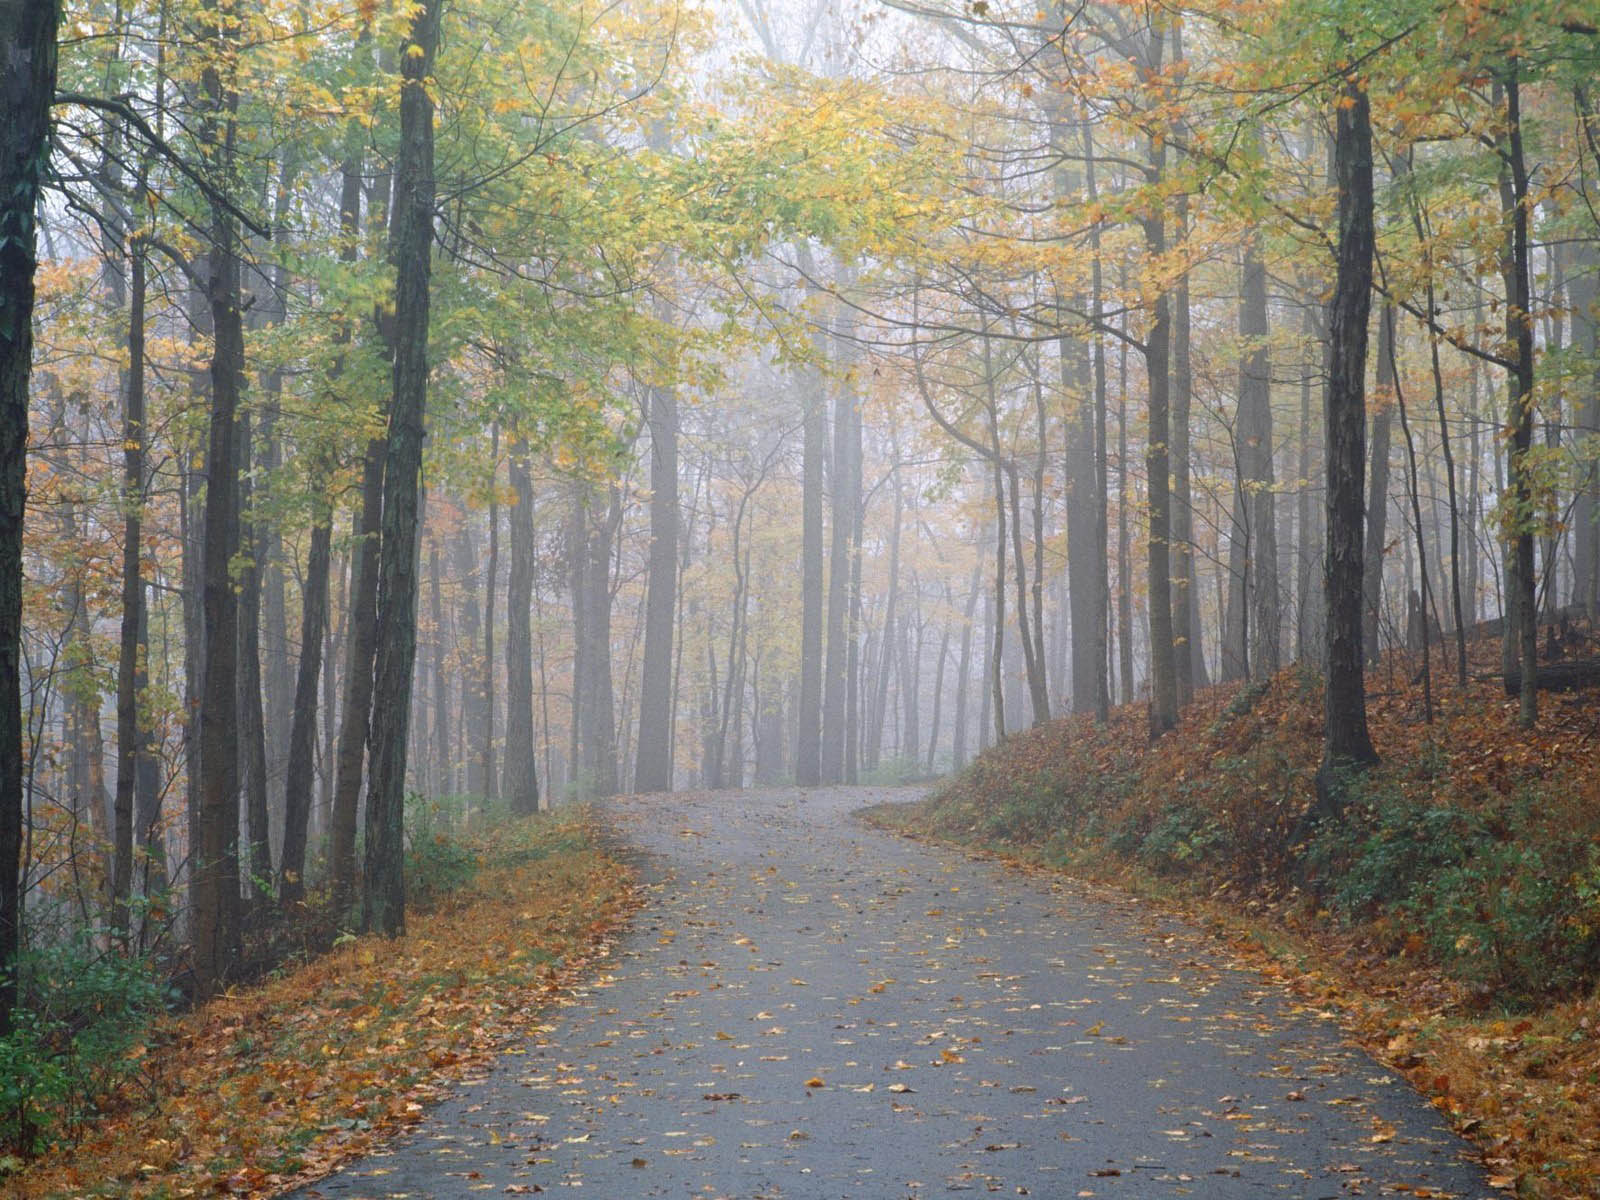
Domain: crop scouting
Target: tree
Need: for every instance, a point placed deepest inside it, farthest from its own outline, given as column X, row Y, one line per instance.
column 653, row 766
column 214, row 877
column 521, row 784
column 1346, row 745
column 410, row 254
column 27, row 86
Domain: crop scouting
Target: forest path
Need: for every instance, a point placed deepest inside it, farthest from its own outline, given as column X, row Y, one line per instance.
column 807, row 1007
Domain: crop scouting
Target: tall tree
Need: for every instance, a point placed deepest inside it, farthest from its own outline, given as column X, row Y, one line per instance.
column 653, row 765
column 27, row 85
column 214, row 877
column 521, row 784
column 410, row 253
column 1346, row 745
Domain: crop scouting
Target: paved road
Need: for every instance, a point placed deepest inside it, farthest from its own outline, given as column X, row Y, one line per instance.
column 808, row 1008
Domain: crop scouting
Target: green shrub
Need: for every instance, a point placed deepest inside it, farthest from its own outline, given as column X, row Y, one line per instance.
column 436, row 863
column 1180, row 837
column 1508, row 920
column 1506, row 898
column 83, row 1012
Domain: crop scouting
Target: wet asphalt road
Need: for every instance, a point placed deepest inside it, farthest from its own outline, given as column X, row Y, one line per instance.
column 810, row 1008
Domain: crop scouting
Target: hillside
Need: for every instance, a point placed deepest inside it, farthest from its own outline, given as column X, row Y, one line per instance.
column 1454, row 917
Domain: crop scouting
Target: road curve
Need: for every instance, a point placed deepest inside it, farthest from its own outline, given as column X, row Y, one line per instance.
column 809, row 1008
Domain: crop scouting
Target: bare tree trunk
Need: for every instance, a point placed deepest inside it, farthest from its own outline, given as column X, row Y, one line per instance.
column 303, row 727
column 1255, row 396
column 410, row 249
column 486, row 733
column 214, row 871
column 808, row 741
column 653, row 764
column 27, row 85
column 133, row 740
column 1346, row 744
column 361, row 647
column 958, row 746
column 1163, row 672
column 846, row 496
column 1308, row 626
column 1378, row 492
column 252, row 718
column 1522, row 620
column 521, row 783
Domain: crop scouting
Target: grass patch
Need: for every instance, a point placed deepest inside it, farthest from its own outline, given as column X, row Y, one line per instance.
column 282, row 1082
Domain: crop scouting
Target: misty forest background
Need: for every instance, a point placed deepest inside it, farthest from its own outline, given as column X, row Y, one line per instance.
column 439, row 410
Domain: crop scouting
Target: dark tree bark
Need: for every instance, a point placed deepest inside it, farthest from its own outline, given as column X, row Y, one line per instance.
column 27, row 83
column 214, row 872
column 1346, row 744
column 653, row 763
column 521, row 783
column 410, row 250
column 303, row 725
column 1582, row 294
column 1522, row 620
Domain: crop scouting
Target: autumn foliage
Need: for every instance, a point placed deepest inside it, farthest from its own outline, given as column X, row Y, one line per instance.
column 270, row 1085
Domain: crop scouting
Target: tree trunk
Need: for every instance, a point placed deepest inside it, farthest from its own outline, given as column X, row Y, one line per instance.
column 491, row 582
column 1255, row 398
column 214, row 871
column 597, row 745
column 521, row 783
column 1378, row 493
column 958, row 744
column 1087, row 565
column 653, row 763
column 410, row 251
column 133, row 741
column 1308, row 532
column 1163, row 673
column 846, row 497
column 303, row 726
column 808, row 739
column 1346, row 745
column 361, row 647
column 1582, row 294
column 1522, row 624
column 27, row 85
column 252, row 718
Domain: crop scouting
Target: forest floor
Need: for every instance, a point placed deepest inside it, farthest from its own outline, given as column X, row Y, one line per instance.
column 1452, row 919
column 808, row 1007
column 287, row 1079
